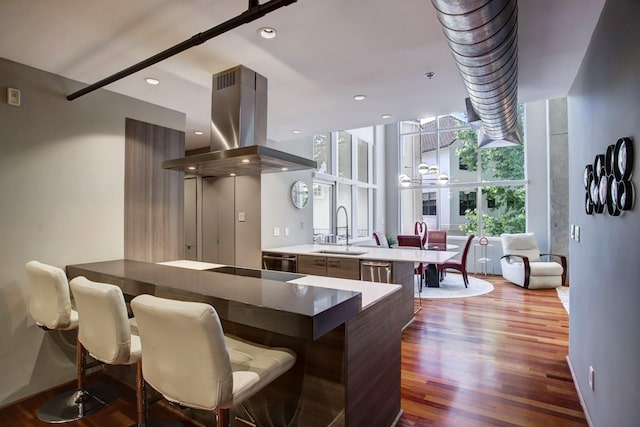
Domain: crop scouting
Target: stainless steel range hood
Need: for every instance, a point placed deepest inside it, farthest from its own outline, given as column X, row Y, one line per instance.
column 239, row 131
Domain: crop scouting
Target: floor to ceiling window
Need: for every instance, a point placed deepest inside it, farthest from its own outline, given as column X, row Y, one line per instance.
column 343, row 178
column 452, row 185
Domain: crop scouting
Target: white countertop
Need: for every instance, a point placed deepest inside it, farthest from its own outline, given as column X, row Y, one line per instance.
column 371, row 291
column 369, row 253
column 193, row 265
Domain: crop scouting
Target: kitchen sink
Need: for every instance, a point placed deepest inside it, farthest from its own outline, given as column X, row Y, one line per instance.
column 339, row 252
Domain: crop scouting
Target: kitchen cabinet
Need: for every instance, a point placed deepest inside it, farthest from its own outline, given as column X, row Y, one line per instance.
column 343, row 268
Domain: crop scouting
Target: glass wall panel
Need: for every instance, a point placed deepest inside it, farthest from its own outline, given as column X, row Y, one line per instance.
column 502, row 163
column 503, row 210
column 363, row 161
column 457, row 206
column 323, row 229
column 468, row 201
column 410, row 155
column 344, row 199
column 455, row 120
column 409, row 127
column 348, row 180
column 428, row 124
column 344, row 155
column 362, row 223
column 462, row 157
column 322, row 152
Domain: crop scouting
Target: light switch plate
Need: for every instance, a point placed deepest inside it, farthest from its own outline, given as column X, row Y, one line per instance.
column 577, row 233
column 276, row 231
column 13, row 96
column 241, row 216
column 286, row 231
column 573, row 231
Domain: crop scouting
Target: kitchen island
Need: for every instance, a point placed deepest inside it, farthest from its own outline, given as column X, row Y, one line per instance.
column 347, row 338
column 342, row 261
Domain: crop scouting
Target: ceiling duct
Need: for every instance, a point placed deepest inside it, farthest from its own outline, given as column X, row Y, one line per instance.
column 483, row 37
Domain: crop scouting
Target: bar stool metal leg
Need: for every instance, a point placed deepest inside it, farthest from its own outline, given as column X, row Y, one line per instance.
column 142, row 405
column 81, row 402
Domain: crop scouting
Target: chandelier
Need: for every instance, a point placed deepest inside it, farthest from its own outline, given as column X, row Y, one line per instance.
column 429, row 175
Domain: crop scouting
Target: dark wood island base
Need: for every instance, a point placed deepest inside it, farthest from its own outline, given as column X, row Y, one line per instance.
column 346, row 376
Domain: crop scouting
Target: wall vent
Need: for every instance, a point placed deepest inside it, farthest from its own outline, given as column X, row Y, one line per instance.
column 226, row 80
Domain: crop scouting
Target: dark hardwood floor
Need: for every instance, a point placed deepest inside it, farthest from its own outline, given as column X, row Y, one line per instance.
column 492, row 360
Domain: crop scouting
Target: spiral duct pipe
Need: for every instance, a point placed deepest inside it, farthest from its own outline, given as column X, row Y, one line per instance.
column 483, row 38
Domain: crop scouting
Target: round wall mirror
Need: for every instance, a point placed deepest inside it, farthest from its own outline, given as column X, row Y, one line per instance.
column 300, row 194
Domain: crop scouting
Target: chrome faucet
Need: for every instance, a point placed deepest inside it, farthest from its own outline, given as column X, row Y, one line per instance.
column 346, row 215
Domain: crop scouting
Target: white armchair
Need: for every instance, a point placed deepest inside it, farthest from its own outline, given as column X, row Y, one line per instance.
column 523, row 266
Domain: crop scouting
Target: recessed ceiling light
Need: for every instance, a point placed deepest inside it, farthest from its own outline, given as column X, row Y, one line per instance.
column 232, row 174
column 198, row 132
column 296, row 131
column 191, row 168
column 267, row 32
column 284, row 169
column 430, row 75
column 245, row 160
column 360, row 97
column 152, row 81
column 386, row 116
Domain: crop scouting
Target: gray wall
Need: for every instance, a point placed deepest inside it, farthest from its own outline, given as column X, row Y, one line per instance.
column 603, row 105
column 61, row 202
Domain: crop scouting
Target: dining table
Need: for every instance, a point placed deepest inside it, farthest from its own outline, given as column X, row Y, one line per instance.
column 431, row 272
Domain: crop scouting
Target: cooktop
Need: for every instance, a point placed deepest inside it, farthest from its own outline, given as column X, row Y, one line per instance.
column 260, row 274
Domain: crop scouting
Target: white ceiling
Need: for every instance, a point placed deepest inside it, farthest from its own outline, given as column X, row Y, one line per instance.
column 326, row 52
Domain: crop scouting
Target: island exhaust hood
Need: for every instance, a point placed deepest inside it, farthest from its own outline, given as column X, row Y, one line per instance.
column 239, row 131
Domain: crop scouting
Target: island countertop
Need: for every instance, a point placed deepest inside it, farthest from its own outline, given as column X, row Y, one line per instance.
column 368, row 253
column 304, row 307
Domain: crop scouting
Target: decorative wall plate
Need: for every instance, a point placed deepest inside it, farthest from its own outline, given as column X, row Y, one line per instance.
column 610, row 159
column 625, row 195
column 603, row 186
column 594, row 191
column 588, row 204
column 588, row 176
column 598, row 165
column 607, row 181
column 624, row 159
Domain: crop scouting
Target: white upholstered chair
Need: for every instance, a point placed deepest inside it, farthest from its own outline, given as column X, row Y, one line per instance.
column 50, row 307
column 522, row 263
column 191, row 362
column 105, row 331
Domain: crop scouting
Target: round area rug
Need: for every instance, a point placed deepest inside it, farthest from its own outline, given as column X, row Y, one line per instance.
column 453, row 287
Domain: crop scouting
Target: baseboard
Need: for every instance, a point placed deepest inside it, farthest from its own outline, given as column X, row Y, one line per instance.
column 575, row 384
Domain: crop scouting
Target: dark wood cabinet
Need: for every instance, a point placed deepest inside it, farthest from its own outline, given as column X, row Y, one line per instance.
column 343, row 268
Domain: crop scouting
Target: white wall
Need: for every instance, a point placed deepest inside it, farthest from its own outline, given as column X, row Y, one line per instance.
column 277, row 208
column 61, row 201
column 536, row 172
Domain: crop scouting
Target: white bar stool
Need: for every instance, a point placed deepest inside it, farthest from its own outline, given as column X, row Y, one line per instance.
column 105, row 331
column 50, row 307
column 190, row 362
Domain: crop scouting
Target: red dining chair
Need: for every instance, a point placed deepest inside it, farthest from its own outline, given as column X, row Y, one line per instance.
column 381, row 239
column 437, row 240
column 420, row 229
column 461, row 265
